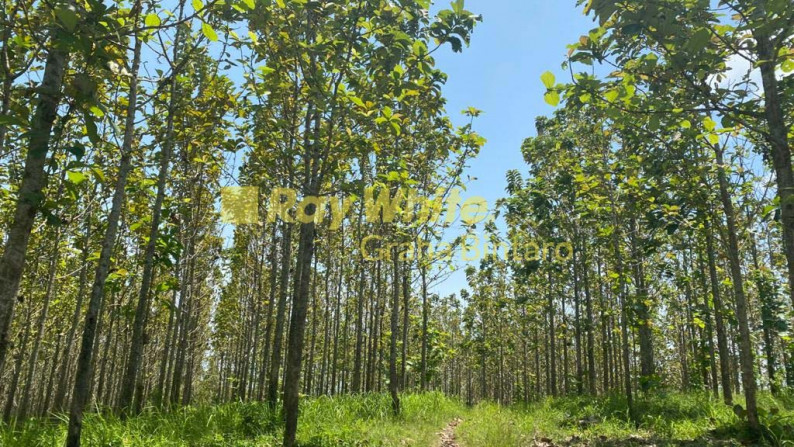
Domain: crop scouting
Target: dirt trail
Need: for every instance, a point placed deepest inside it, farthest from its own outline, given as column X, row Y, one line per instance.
column 448, row 435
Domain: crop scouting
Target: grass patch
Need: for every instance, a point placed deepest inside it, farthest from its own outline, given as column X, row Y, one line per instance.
column 691, row 419
column 364, row 420
column 663, row 419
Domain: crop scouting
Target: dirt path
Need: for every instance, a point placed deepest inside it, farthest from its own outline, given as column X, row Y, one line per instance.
column 448, row 435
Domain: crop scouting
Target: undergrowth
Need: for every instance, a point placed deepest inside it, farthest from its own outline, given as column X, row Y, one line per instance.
column 691, row 419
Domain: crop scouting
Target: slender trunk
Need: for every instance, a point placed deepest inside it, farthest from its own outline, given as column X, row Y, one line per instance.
column 406, row 323
column 425, row 318
column 745, row 343
column 12, row 390
column 275, row 359
column 63, row 371
column 552, row 336
column 142, row 308
column 591, row 367
column 395, row 327
column 83, row 374
column 270, row 306
column 643, row 319
column 722, row 340
column 298, row 327
column 357, row 359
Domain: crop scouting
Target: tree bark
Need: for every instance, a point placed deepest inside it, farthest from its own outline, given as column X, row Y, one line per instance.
column 83, row 374
column 746, row 356
column 30, row 195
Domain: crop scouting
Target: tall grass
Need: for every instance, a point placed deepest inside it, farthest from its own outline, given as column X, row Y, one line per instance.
column 366, row 420
column 325, row 421
column 662, row 419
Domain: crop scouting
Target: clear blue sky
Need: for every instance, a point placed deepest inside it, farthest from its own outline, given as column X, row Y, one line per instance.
column 500, row 74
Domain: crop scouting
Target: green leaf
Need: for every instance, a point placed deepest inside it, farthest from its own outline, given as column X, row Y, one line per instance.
column 97, row 112
column 152, row 20
column 552, row 98
column 548, row 79
column 281, row 4
column 357, row 101
column 686, row 124
column 76, row 177
column 198, row 5
column 251, row 4
column 709, row 123
column 611, row 95
column 208, row 32
column 67, row 16
column 419, row 48
column 90, row 128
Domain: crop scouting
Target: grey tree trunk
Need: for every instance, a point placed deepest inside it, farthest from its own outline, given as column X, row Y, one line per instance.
column 281, row 309
column 395, row 329
column 30, row 195
column 747, row 361
column 83, row 374
column 722, row 340
column 129, row 381
column 297, row 328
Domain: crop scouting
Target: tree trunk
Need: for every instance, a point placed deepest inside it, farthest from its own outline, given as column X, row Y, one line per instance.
column 298, row 327
column 129, row 381
column 82, row 383
column 395, row 328
column 745, row 343
column 722, row 340
column 30, row 194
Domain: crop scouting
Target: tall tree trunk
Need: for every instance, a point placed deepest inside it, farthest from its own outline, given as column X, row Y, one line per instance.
column 591, row 366
column 298, row 327
column 745, row 343
column 83, row 374
column 643, row 320
column 130, row 379
column 778, row 139
column 30, row 195
column 552, row 336
column 425, row 317
column 275, row 359
column 406, row 278
column 722, row 338
column 395, row 328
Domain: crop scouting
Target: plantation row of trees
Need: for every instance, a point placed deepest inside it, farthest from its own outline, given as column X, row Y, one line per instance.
column 120, row 289
column 120, row 124
column 670, row 173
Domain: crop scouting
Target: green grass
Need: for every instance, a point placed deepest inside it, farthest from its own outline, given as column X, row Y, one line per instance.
column 665, row 419
column 339, row 421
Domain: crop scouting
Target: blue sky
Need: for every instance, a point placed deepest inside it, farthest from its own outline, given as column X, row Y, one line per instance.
column 500, row 74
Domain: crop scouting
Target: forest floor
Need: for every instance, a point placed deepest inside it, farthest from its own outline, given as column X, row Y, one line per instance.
column 430, row 420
